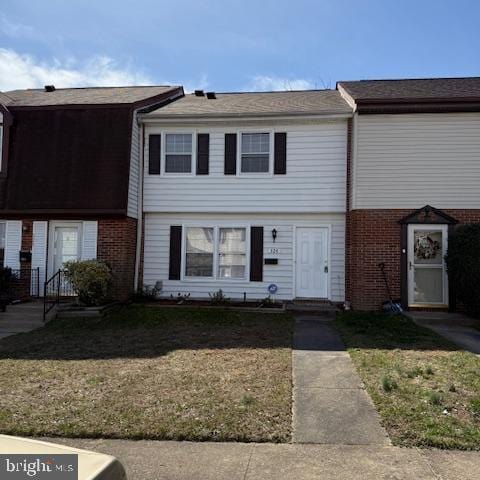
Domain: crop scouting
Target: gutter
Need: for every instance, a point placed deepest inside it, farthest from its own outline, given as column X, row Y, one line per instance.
column 138, row 246
column 221, row 118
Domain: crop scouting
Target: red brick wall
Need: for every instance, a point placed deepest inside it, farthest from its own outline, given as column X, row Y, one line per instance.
column 116, row 246
column 374, row 237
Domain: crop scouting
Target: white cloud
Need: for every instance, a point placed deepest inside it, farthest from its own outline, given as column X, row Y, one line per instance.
column 15, row 30
column 265, row 83
column 24, row 71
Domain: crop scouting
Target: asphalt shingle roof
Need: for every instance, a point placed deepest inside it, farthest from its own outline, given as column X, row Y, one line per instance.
column 430, row 89
column 257, row 103
column 81, row 96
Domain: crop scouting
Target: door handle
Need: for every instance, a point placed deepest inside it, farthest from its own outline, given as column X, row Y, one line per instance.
column 325, row 269
column 410, row 265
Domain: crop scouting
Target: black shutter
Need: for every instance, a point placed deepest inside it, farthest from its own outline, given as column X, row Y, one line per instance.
column 175, row 252
column 256, row 254
column 230, row 154
column 280, row 156
column 154, row 154
column 203, row 150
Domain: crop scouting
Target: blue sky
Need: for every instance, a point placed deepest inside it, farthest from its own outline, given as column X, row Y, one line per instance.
column 234, row 45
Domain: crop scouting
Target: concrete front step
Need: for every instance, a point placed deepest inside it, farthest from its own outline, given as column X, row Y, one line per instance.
column 324, row 311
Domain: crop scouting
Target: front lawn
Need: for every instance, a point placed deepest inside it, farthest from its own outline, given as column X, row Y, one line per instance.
column 426, row 390
column 152, row 373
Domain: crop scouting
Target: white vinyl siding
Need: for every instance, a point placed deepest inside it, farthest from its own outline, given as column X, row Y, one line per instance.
column 315, row 179
column 408, row 161
column 39, row 252
column 89, row 240
column 134, row 176
column 13, row 244
column 157, row 238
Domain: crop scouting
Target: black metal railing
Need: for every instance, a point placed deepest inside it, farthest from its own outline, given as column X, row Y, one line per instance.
column 25, row 283
column 56, row 288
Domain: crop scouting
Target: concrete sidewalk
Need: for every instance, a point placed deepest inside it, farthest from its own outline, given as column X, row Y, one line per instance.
column 21, row 318
column 330, row 404
column 156, row 460
column 453, row 326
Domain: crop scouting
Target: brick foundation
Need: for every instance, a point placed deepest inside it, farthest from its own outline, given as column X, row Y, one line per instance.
column 374, row 236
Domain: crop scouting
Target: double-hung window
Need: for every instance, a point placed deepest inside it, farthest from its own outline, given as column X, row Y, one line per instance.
column 232, row 253
column 216, row 252
column 178, row 152
column 199, row 247
column 255, row 153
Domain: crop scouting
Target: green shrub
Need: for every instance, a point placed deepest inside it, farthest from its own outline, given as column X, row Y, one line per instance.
column 91, row 280
column 474, row 407
column 463, row 264
column 429, row 370
column 147, row 293
column 435, row 398
column 218, row 298
column 389, row 384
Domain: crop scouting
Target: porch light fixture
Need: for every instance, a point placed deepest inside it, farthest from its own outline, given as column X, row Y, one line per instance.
column 274, row 234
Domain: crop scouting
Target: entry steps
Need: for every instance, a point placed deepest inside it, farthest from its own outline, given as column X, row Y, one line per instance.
column 324, row 309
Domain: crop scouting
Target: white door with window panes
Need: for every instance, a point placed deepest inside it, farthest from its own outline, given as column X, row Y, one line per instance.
column 65, row 244
column 427, row 273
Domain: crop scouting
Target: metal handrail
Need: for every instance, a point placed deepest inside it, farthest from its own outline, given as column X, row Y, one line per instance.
column 54, row 289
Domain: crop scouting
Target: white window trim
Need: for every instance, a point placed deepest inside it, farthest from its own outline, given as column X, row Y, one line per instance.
column 216, row 228
column 163, row 161
column 271, row 153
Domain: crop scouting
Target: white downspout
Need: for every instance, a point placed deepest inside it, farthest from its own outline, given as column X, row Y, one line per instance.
column 138, row 252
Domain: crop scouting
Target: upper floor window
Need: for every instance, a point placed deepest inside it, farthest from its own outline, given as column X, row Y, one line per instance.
column 178, row 152
column 255, row 153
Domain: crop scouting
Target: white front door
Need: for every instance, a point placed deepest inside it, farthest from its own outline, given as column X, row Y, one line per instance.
column 311, row 262
column 64, row 244
column 427, row 273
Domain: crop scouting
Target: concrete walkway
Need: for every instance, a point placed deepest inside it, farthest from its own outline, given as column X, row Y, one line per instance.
column 155, row 460
column 330, row 404
column 20, row 318
column 453, row 326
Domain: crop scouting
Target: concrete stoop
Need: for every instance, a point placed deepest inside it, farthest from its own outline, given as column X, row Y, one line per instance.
column 319, row 310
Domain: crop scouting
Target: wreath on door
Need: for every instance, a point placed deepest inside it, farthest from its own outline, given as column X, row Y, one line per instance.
column 426, row 247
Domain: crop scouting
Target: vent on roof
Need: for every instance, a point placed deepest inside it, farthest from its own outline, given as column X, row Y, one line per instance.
column 49, row 88
column 211, row 95
column 199, row 93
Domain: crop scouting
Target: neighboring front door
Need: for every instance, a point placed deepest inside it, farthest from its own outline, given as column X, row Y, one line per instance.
column 427, row 274
column 64, row 245
column 311, row 262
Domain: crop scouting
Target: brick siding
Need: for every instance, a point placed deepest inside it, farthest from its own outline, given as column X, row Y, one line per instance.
column 374, row 237
column 115, row 246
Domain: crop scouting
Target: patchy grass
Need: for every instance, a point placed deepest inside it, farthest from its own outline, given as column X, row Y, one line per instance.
column 425, row 389
column 151, row 373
